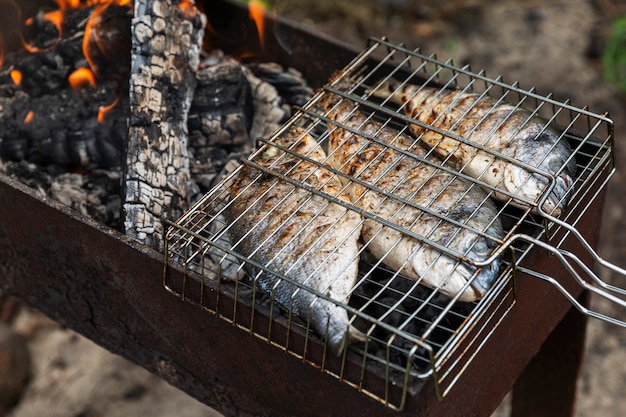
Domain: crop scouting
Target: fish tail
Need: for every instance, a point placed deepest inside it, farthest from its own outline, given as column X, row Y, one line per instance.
column 355, row 335
column 352, row 335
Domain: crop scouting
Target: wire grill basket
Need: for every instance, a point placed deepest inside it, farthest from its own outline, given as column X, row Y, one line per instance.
column 413, row 331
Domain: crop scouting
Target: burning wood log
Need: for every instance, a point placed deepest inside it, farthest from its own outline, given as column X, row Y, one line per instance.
column 57, row 138
column 167, row 39
column 220, row 120
column 232, row 107
column 51, row 109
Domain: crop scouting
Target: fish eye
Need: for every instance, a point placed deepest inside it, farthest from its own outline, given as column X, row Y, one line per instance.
column 481, row 247
column 555, row 165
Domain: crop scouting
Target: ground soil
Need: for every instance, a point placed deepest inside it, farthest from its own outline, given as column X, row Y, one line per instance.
column 551, row 45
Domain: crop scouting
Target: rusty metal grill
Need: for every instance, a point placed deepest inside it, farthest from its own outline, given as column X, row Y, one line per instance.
column 413, row 332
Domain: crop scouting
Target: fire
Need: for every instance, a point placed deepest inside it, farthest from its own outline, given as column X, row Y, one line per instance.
column 188, row 8
column 103, row 110
column 16, row 76
column 256, row 10
column 82, row 77
column 68, row 4
column 90, row 38
column 56, row 17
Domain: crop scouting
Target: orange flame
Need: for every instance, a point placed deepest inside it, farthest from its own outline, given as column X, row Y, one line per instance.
column 29, row 117
column 56, row 18
column 81, row 78
column 91, row 38
column 256, row 10
column 16, row 76
column 188, row 8
column 90, row 35
column 68, row 4
column 103, row 110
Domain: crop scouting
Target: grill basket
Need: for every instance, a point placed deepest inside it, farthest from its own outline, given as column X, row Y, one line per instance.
column 414, row 332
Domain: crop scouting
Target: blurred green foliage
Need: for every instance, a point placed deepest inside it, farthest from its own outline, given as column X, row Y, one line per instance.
column 614, row 55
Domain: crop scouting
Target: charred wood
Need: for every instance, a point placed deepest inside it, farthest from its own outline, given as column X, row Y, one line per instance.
column 43, row 119
column 232, row 107
column 220, row 118
column 289, row 82
column 166, row 44
column 268, row 109
column 70, row 135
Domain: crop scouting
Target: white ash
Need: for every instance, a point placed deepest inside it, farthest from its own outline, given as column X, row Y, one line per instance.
column 95, row 194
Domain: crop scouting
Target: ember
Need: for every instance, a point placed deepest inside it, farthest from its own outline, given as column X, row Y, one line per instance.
column 16, row 76
column 103, row 110
column 81, row 78
column 29, row 117
column 188, row 8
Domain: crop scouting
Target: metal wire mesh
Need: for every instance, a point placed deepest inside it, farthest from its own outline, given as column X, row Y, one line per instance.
column 413, row 331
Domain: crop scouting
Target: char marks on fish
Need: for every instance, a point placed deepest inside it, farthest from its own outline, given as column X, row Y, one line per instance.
column 432, row 197
column 539, row 154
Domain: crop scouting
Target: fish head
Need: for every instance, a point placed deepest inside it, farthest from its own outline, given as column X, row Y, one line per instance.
column 478, row 249
column 463, row 274
column 481, row 277
column 562, row 171
column 477, row 244
column 550, row 153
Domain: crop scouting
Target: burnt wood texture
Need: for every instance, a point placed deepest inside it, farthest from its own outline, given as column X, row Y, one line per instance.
column 166, row 44
column 44, row 119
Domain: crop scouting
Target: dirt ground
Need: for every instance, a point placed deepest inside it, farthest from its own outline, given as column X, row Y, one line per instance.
column 551, row 45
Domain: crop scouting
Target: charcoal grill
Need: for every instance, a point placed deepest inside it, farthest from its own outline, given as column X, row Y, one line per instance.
column 105, row 286
column 449, row 333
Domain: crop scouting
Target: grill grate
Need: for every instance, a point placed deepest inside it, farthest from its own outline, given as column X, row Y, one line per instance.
column 413, row 331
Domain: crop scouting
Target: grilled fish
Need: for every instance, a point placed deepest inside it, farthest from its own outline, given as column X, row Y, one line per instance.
column 296, row 233
column 427, row 188
column 497, row 126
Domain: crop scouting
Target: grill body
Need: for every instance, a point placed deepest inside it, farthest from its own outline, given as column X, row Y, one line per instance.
column 436, row 336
